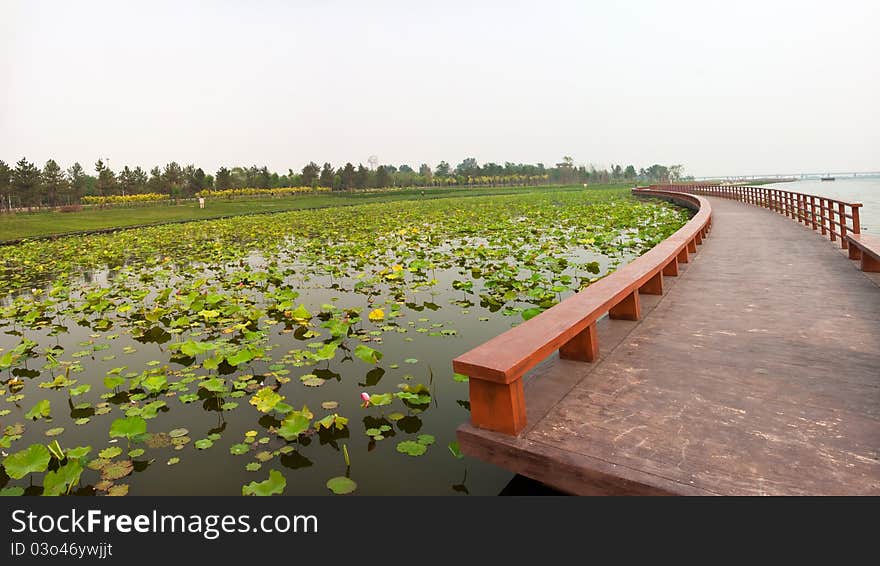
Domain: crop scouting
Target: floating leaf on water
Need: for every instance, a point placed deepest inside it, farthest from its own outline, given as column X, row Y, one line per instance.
column 172, row 461
column 266, row 399
column 238, row 449
column 11, row 491
column 97, row 463
column 129, row 427
column 178, row 432
column 80, row 389
column 14, row 429
column 341, row 485
column 81, row 421
column 110, row 453
column 367, row 354
column 63, row 479
column 34, row 458
column 263, row 456
column 117, row 470
column 203, row 444
column 329, row 405
column 41, row 410
column 253, row 466
column 410, row 361
column 78, row 452
column 273, row 486
column 310, row 380
column 137, row 452
column 395, row 416
column 157, row 440
column 54, row 431
column 411, row 448
column 426, row 439
column 118, row 490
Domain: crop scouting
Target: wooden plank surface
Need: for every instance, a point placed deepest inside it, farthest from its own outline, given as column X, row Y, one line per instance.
column 758, row 372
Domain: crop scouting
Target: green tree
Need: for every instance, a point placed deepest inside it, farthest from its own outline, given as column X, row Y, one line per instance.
column 172, row 179
column 126, row 181
column 328, row 175
column 139, row 180
column 54, row 183
column 426, row 173
column 155, row 184
column 223, row 179
column 383, row 179
column 77, row 181
column 362, row 177
column 106, row 182
column 468, row 167
column 348, row 175
column 5, row 187
column 310, row 174
column 629, row 173
column 26, row 183
column 442, row 169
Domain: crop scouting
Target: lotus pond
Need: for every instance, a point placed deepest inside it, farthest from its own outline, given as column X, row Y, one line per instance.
column 306, row 352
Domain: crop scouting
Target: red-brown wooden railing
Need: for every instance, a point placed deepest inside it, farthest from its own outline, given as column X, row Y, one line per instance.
column 496, row 367
column 826, row 215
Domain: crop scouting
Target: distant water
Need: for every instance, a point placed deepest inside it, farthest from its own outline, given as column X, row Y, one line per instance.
column 865, row 190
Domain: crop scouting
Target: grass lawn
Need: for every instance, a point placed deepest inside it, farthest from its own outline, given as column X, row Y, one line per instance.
column 30, row 225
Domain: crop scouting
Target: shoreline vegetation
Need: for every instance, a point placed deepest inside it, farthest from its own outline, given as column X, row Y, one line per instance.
column 50, row 224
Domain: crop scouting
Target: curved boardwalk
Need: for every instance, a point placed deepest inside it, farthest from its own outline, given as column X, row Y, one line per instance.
column 758, row 372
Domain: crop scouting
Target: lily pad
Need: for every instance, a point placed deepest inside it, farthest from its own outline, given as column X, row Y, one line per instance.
column 116, row 470
column 273, row 486
column 34, row 458
column 411, row 448
column 341, row 485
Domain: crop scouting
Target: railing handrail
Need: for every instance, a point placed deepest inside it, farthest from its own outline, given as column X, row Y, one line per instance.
column 821, row 213
column 699, row 185
column 496, row 367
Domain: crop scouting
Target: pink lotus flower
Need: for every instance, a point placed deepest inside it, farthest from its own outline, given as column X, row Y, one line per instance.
column 366, row 397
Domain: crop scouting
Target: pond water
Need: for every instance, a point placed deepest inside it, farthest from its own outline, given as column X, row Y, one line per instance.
column 214, row 336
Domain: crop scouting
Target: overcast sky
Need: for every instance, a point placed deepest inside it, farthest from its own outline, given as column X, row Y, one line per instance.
column 722, row 87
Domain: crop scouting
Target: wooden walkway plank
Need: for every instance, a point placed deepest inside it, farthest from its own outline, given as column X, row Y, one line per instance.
column 758, row 372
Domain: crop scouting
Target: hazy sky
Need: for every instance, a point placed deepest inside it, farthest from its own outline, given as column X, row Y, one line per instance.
column 722, row 87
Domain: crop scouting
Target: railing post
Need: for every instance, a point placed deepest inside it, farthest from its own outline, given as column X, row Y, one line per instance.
column 822, row 216
column 857, row 227
column 831, row 225
column 841, row 208
column 500, row 407
column 813, row 211
column 671, row 268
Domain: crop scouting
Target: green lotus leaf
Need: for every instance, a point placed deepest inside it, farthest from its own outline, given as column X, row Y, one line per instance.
column 130, row 428
column 34, row 458
column 273, row 486
column 367, row 354
column 42, row 410
column 341, row 485
column 411, row 448
column 63, row 479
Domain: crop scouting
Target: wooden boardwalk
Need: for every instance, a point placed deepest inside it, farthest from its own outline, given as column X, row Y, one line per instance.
column 757, row 372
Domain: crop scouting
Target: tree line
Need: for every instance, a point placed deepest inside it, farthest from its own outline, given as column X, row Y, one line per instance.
column 25, row 185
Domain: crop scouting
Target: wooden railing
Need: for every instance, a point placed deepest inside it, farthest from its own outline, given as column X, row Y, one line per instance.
column 496, row 367
column 827, row 215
